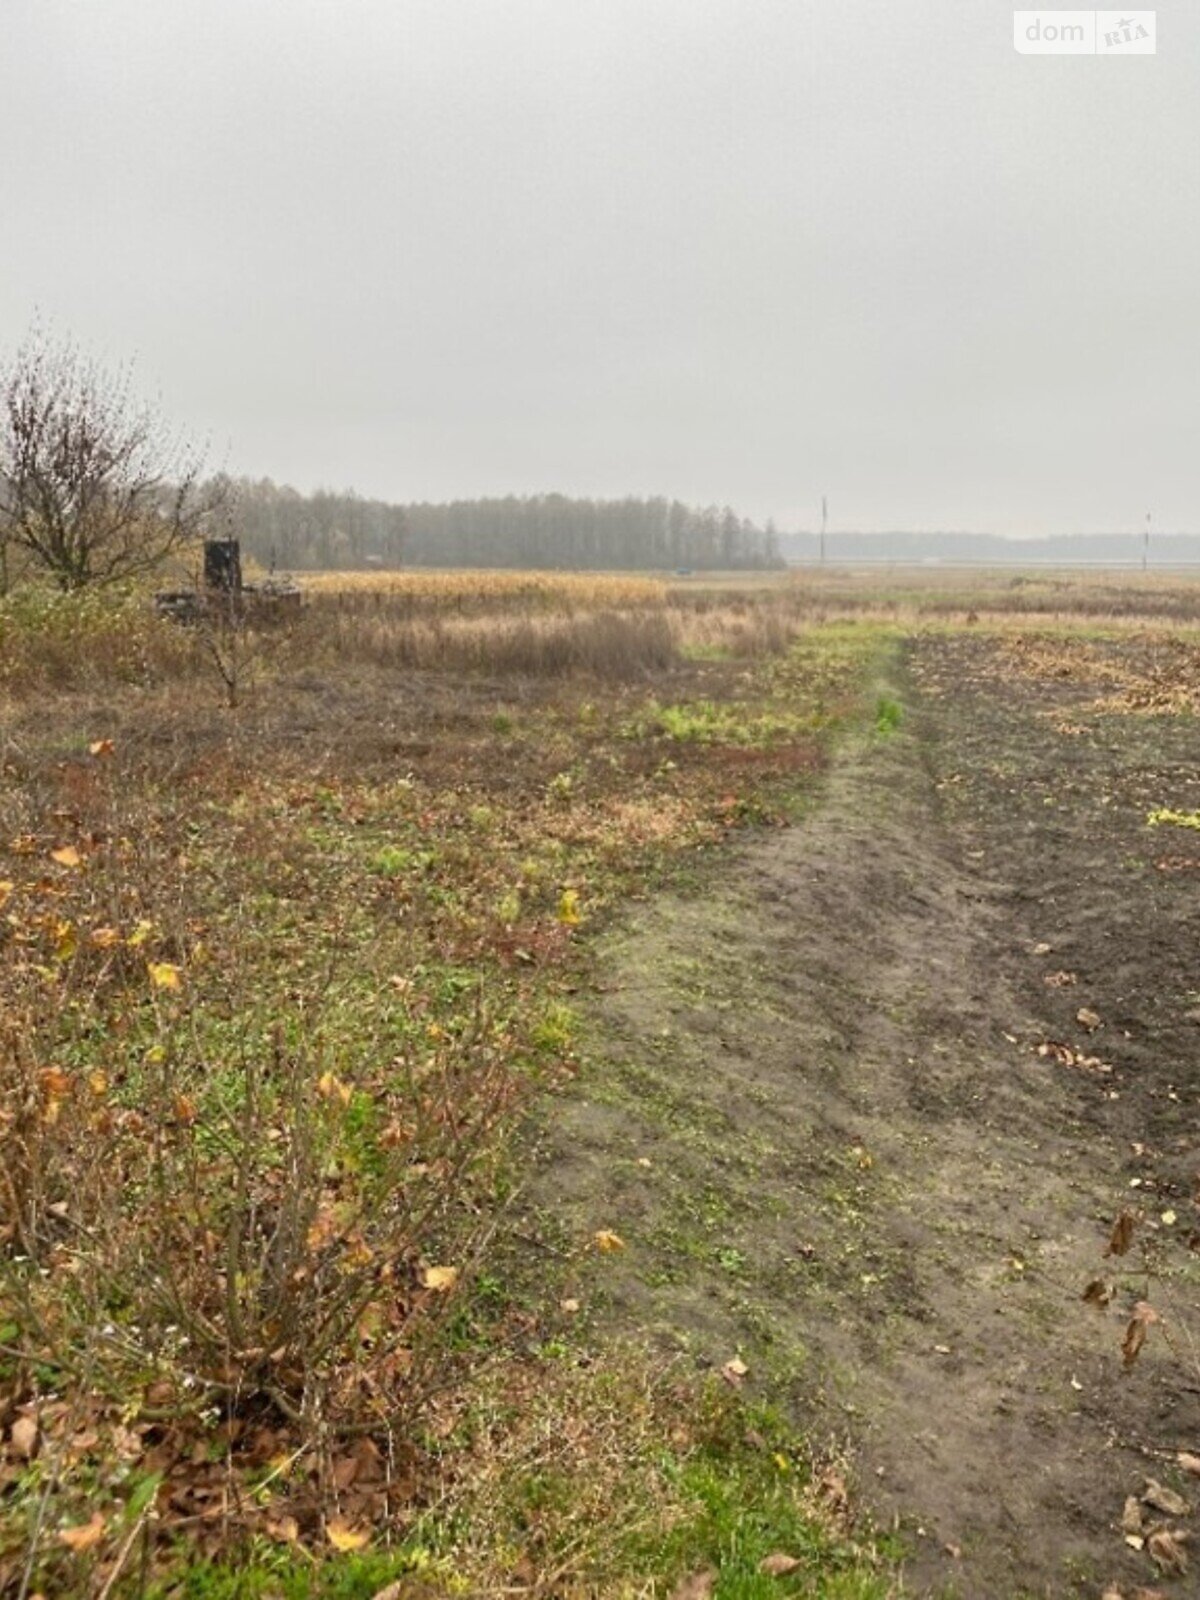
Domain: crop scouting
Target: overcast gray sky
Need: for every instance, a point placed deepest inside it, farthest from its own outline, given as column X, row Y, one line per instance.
column 739, row 251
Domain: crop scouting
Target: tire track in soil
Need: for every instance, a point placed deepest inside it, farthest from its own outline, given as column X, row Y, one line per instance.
column 860, row 1174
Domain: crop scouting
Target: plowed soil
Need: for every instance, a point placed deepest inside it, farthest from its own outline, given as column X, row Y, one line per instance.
column 865, row 1100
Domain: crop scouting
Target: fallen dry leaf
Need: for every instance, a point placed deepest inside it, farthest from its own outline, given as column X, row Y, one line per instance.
column 100, row 748
column 1166, row 1550
column 1098, row 1292
column 56, row 1082
column 285, row 1530
column 440, row 1279
column 1131, row 1517
column 1160, row 1498
column 1189, row 1463
column 68, row 856
column 778, row 1565
column 342, row 1536
column 164, row 975
column 734, row 1371
column 331, row 1087
column 1059, row 980
column 1144, row 1317
column 1121, row 1237
column 606, row 1241
column 523, row 1570
column 568, row 908
column 831, row 1486
column 1087, row 1018
column 24, row 1437
column 698, row 1587
column 84, row 1536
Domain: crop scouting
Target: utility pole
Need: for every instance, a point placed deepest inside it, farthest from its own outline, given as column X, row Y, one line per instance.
column 824, row 524
column 1146, row 543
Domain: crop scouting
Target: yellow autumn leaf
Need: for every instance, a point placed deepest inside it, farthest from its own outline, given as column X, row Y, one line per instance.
column 342, row 1536
column 441, row 1279
column 140, row 934
column 163, row 975
column 98, row 1082
column 568, row 908
column 606, row 1241
column 331, row 1087
column 66, row 941
column 56, row 1083
column 84, row 1535
column 68, row 856
column 6, row 889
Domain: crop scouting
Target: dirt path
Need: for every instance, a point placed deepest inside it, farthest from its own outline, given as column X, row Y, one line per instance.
column 817, row 1115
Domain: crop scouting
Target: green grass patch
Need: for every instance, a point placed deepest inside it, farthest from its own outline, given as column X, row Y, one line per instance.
column 888, row 715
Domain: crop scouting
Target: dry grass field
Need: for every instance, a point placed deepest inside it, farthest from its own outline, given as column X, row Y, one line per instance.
column 455, row 1128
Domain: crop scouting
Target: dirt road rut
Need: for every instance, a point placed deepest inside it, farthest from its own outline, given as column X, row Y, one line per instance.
column 816, row 1111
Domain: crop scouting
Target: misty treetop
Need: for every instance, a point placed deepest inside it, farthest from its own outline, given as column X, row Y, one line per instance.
column 327, row 530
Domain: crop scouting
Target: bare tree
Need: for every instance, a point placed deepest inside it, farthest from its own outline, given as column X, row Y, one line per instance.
column 93, row 487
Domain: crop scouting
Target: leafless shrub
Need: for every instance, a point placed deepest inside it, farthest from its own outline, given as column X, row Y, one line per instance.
column 89, row 639
column 221, row 1191
column 254, row 1232
column 93, row 489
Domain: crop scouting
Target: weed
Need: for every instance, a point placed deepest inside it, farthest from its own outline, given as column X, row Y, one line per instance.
column 275, row 989
column 888, row 715
column 1176, row 819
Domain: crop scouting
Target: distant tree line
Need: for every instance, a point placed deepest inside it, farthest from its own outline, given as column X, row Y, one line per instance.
column 326, row 530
